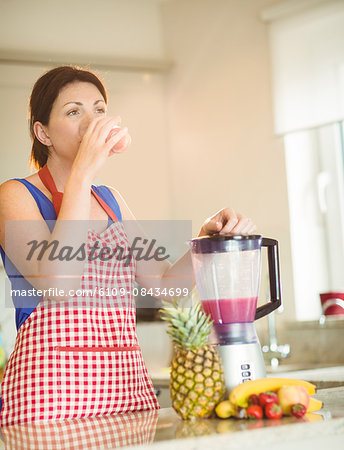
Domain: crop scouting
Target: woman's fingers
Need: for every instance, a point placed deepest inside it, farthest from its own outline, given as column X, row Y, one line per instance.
column 227, row 221
column 97, row 142
column 103, row 129
column 230, row 220
column 211, row 225
column 96, row 124
column 223, row 220
column 250, row 228
column 243, row 227
column 116, row 137
column 99, row 134
column 101, row 126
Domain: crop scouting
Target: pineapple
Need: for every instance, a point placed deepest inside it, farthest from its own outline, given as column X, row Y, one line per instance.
column 197, row 379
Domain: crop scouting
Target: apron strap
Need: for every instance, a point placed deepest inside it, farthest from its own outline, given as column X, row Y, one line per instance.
column 105, row 206
column 49, row 183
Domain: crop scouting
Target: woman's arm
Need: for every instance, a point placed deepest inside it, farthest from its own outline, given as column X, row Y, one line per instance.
column 27, row 234
column 31, row 247
column 177, row 277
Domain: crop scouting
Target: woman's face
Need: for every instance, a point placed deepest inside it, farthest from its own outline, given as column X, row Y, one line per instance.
column 77, row 104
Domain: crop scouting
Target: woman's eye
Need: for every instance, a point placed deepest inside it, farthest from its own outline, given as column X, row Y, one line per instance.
column 72, row 113
column 100, row 111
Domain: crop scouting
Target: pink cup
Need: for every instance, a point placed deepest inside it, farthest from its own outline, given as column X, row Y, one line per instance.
column 122, row 144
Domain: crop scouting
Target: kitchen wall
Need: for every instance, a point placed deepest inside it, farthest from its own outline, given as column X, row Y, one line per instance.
column 202, row 133
column 314, row 344
column 112, row 28
column 222, row 147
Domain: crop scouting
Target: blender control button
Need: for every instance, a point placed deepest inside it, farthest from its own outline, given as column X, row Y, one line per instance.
column 246, row 379
column 246, row 374
column 245, row 366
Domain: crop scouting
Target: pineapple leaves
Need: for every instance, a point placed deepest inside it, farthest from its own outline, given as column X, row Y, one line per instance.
column 189, row 328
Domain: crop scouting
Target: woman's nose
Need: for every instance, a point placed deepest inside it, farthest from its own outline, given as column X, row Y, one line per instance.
column 86, row 120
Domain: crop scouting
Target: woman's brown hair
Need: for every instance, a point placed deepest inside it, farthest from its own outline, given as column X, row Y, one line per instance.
column 43, row 96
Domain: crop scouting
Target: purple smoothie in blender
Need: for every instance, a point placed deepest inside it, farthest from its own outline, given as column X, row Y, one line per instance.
column 231, row 310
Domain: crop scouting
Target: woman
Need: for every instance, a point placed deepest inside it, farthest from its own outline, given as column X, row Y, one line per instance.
column 77, row 356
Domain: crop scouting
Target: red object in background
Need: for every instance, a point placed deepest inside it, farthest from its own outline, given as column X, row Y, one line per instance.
column 329, row 307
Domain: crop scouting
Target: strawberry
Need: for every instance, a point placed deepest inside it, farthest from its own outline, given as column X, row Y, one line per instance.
column 253, row 399
column 273, row 411
column 267, row 397
column 298, row 410
column 254, row 412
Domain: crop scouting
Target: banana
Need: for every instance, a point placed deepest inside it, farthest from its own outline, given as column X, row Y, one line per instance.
column 312, row 417
column 240, row 394
column 314, row 405
column 225, row 409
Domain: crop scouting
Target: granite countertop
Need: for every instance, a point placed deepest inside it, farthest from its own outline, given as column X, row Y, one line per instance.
column 312, row 430
column 165, row 430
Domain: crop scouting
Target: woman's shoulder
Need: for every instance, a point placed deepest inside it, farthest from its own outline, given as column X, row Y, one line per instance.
column 12, row 188
column 16, row 199
column 20, row 186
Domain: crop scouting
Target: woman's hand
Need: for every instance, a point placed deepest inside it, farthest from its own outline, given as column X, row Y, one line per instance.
column 227, row 221
column 99, row 142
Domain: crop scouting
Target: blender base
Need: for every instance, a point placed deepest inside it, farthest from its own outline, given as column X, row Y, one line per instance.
column 241, row 362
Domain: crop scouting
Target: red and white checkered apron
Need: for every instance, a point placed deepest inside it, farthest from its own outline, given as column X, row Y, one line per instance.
column 93, row 433
column 80, row 357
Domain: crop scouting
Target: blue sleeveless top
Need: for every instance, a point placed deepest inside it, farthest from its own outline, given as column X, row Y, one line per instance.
column 46, row 208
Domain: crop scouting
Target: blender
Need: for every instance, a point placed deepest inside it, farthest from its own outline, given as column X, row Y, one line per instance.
column 227, row 274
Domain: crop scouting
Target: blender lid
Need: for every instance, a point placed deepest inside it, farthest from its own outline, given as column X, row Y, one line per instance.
column 218, row 243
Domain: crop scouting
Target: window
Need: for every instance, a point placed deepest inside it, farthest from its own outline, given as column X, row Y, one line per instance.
column 307, row 41
column 315, row 175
